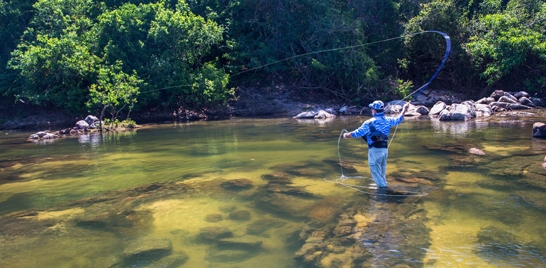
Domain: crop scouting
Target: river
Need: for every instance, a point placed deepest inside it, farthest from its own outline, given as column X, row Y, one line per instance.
column 270, row 193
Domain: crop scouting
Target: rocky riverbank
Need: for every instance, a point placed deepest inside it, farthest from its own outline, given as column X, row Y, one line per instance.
column 280, row 102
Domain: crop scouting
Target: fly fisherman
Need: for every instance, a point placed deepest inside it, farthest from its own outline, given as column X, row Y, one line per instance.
column 376, row 132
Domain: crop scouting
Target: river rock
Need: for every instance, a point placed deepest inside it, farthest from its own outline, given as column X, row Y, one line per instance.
column 438, row 108
column 483, row 110
column 324, row 114
column 539, row 130
column 148, row 246
column 458, row 112
column 237, row 184
column 246, row 242
column 213, row 233
column 308, row 114
column 485, row 100
column 93, row 121
column 240, row 215
column 476, row 151
column 262, row 225
column 526, row 101
column 46, row 135
column 82, row 124
column 278, row 177
column 497, row 94
column 538, row 102
column 507, row 99
column 176, row 259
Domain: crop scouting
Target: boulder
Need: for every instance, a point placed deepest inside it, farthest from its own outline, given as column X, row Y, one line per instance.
column 309, row 114
column 507, row 99
column 438, row 108
column 82, row 124
column 324, row 114
column 458, row 112
column 526, row 101
column 483, row 110
column 539, row 130
column 538, row 102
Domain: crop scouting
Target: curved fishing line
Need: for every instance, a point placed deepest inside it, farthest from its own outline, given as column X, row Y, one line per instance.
column 417, row 91
column 342, row 178
column 331, row 50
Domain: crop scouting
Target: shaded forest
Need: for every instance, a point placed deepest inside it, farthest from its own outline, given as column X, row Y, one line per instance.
column 86, row 56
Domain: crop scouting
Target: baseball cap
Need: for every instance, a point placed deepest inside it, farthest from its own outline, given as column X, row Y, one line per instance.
column 377, row 105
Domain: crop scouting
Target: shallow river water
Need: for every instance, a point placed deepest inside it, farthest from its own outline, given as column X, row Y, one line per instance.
column 270, row 193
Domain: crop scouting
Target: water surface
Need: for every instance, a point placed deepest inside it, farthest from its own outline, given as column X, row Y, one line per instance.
column 87, row 201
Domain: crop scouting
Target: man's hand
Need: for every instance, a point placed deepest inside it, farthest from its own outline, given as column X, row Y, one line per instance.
column 405, row 108
column 347, row 135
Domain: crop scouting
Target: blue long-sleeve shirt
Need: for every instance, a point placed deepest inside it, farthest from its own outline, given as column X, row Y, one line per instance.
column 380, row 122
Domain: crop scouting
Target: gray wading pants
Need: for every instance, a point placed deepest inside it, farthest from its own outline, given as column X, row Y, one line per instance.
column 377, row 160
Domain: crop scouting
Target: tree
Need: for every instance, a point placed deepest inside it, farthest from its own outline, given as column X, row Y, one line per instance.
column 510, row 47
column 114, row 90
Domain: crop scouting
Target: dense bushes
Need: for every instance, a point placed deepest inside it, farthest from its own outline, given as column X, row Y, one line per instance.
column 81, row 55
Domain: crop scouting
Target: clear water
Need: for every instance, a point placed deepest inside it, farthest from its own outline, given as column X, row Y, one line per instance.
column 85, row 201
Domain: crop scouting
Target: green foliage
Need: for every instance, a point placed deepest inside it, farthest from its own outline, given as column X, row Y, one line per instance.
column 168, row 53
column 503, row 45
column 114, row 88
column 113, row 124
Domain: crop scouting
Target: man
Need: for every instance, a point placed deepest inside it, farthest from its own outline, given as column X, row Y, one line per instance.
column 377, row 131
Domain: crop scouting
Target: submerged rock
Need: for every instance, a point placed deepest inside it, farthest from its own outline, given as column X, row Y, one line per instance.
column 242, row 242
column 237, row 184
column 262, row 225
column 213, row 233
column 240, row 215
column 146, row 247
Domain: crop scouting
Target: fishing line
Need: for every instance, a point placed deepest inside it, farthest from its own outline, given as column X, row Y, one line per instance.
column 338, row 49
column 341, row 179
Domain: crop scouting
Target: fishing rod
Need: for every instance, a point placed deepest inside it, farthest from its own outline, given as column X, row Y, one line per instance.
column 342, row 178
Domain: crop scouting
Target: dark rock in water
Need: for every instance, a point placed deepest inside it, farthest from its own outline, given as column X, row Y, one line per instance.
column 286, row 205
column 237, row 184
column 326, row 209
column 539, row 130
column 240, row 215
column 214, row 217
column 82, row 124
column 262, row 225
column 176, row 259
column 241, row 243
column 213, row 233
column 223, row 256
column 289, row 190
column 147, row 247
column 278, row 177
